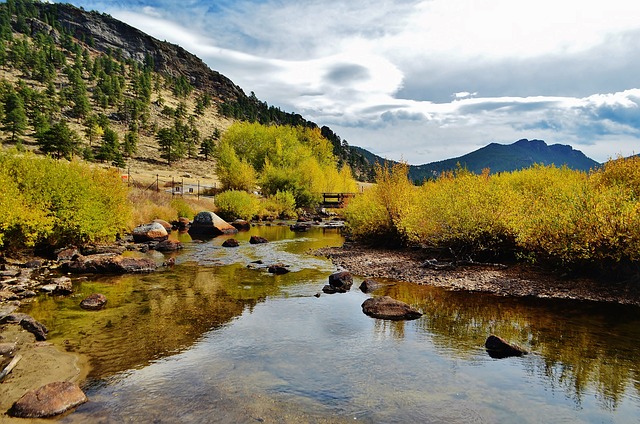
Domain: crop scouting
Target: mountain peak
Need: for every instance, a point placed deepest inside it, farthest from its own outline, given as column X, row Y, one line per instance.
column 510, row 157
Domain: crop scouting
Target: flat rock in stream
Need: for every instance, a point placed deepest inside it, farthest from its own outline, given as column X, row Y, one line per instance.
column 386, row 307
column 109, row 264
column 49, row 400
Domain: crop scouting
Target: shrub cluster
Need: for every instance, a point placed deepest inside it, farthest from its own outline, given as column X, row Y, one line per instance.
column 297, row 160
column 46, row 202
column 544, row 213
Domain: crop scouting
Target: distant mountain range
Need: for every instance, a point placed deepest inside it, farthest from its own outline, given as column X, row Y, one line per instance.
column 501, row 158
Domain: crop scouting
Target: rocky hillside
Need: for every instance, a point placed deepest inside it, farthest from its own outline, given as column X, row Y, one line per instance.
column 108, row 35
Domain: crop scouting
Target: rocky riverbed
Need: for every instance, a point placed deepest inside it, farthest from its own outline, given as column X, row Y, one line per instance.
column 417, row 266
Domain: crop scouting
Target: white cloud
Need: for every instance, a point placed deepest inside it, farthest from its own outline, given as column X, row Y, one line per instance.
column 425, row 80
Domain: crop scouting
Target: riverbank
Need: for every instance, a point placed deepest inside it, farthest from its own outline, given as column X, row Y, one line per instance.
column 513, row 280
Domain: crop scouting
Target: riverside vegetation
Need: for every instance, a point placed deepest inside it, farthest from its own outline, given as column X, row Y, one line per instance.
column 544, row 214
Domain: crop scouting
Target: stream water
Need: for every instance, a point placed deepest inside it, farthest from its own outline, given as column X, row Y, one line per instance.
column 213, row 341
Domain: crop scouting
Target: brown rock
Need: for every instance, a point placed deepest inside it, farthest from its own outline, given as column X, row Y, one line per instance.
column 278, row 269
column 258, row 240
column 370, row 285
column 29, row 324
column 500, row 348
column 94, row 302
column 341, row 281
column 387, row 308
column 241, row 225
column 49, row 400
column 231, row 243
column 168, row 246
column 109, row 264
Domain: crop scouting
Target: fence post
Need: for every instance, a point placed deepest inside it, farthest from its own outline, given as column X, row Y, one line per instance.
column 129, row 177
column 198, row 189
column 157, row 182
column 182, row 188
column 173, row 187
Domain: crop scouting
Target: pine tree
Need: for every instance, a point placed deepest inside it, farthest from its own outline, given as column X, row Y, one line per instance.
column 59, row 141
column 15, row 119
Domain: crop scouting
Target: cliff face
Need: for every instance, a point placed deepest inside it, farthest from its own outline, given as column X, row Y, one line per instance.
column 109, row 34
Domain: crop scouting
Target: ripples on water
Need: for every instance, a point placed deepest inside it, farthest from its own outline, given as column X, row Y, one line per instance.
column 213, row 341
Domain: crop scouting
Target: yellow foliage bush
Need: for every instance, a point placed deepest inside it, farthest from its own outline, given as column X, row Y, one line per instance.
column 545, row 212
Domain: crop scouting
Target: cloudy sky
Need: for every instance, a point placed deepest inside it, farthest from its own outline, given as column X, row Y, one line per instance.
column 428, row 80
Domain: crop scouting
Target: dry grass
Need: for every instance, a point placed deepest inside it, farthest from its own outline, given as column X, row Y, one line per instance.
column 149, row 205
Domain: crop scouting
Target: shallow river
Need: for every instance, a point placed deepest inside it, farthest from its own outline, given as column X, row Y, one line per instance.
column 212, row 341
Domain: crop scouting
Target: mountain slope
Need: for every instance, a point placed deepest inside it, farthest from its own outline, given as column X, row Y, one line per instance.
column 503, row 158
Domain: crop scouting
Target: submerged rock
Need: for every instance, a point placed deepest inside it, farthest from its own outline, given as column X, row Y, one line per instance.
column 278, row 269
column 499, row 348
column 386, row 307
column 368, row 286
column 168, row 246
column 94, row 302
column 49, row 400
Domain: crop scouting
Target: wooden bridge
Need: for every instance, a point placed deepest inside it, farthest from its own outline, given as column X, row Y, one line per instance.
column 336, row 200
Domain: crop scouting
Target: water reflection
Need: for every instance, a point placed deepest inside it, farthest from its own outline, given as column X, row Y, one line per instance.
column 210, row 340
column 577, row 345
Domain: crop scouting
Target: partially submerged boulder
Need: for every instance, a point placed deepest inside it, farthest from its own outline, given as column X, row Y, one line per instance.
column 339, row 282
column 231, row 243
column 499, row 348
column 386, row 307
column 257, row 240
column 168, row 246
column 278, row 268
column 149, row 232
column 49, row 400
column 109, row 264
column 209, row 224
column 241, row 225
column 94, row 302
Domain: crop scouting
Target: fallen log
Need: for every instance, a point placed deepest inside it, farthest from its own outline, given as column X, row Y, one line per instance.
column 10, row 367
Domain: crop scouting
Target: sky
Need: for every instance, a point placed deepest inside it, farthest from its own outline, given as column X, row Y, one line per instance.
column 422, row 81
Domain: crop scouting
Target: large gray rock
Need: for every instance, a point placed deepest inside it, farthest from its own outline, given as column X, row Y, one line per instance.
column 209, row 224
column 149, row 232
column 386, row 307
column 49, row 400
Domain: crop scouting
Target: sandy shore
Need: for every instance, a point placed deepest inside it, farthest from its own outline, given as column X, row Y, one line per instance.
column 514, row 280
column 41, row 363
